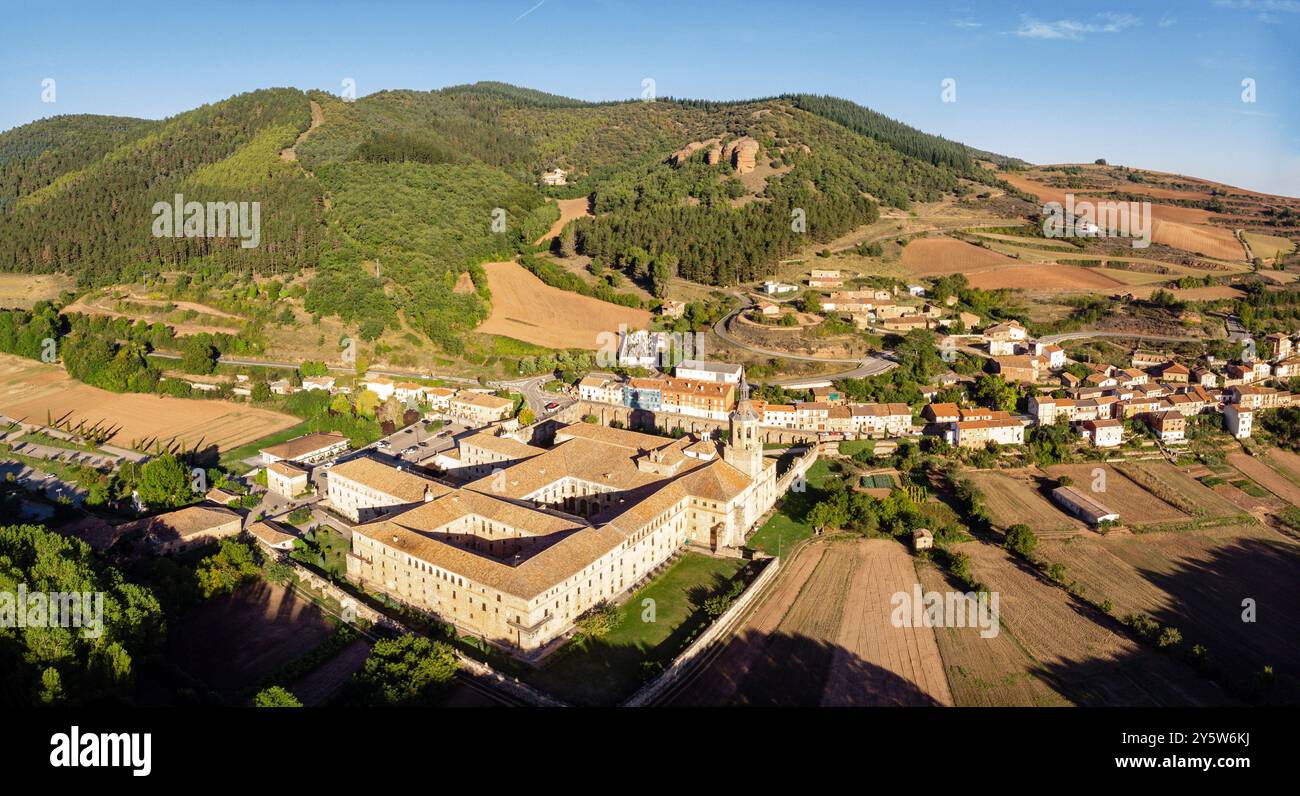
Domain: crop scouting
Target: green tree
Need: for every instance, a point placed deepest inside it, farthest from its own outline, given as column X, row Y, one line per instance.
column 275, row 697
column 164, row 483
column 409, row 670
column 225, row 570
column 1021, row 540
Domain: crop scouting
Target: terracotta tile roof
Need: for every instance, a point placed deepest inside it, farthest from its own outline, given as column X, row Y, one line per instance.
column 401, row 484
column 305, row 445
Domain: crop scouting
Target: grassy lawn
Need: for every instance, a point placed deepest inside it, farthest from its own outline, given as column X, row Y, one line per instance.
column 606, row 670
column 39, row 438
column 326, row 549
column 849, row 447
column 236, row 455
column 786, row 526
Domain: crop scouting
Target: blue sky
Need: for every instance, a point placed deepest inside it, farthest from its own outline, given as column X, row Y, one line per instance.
column 1151, row 84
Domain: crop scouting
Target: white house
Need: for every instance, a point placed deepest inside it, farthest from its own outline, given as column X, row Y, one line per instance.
column 381, row 386
column 699, row 370
column 1239, row 420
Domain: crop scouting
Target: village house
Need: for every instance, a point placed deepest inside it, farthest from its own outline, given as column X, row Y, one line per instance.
column 828, row 394
column 941, row 413
column 555, row 177
column 325, row 383
column 184, row 529
column 1239, row 420
column 285, row 479
column 272, row 536
column 478, row 409
column 1277, row 345
column 1012, row 331
column 601, row 388
column 1238, row 374
column 881, row 420
column 821, row 278
column 1018, row 369
column 671, row 308
column 306, row 450
column 1173, row 373
column 381, row 386
column 1103, row 433
column 1287, row 368
column 1054, row 354
column 698, row 370
column 776, row 288
column 708, row 399
column 1001, row 429
column 1170, row 427
column 1205, row 377
column 438, row 398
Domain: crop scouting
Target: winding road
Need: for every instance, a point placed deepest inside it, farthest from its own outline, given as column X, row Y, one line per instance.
column 865, row 366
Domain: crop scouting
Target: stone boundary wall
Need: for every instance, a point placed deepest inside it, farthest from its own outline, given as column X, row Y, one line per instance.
column 352, row 609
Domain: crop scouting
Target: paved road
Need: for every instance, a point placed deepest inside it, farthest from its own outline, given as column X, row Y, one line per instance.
column 537, row 397
column 865, row 366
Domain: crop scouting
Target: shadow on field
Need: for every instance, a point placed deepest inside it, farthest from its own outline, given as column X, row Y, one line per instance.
column 1207, row 611
column 1210, row 601
column 232, row 643
column 784, row 670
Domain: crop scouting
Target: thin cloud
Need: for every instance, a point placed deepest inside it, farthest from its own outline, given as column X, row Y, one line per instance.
column 1266, row 11
column 966, row 23
column 1031, row 28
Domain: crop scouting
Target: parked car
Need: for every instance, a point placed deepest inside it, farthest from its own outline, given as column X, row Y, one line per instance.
column 551, row 406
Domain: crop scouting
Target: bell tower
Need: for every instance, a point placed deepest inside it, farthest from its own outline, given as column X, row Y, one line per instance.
column 745, row 448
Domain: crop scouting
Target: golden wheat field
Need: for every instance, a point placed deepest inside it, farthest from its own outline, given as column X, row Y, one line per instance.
column 36, row 392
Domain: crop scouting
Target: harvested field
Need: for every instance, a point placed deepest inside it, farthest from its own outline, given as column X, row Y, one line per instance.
column 1267, row 477
column 823, row 636
column 1211, row 293
column 1136, row 506
column 986, row 672
column 22, row 291
column 35, row 391
column 1080, row 652
column 1185, row 228
column 1044, row 277
column 569, row 210
column 233, row 643
column 942, row 256
column 526, row 308
column 1210, row 241
column 1014, row 497
column 1196, row 581
column 1285, row 461
column 1178, row 489
column 1268, row 246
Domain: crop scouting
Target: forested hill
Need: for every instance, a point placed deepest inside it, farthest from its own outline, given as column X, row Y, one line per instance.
column 392, row 198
